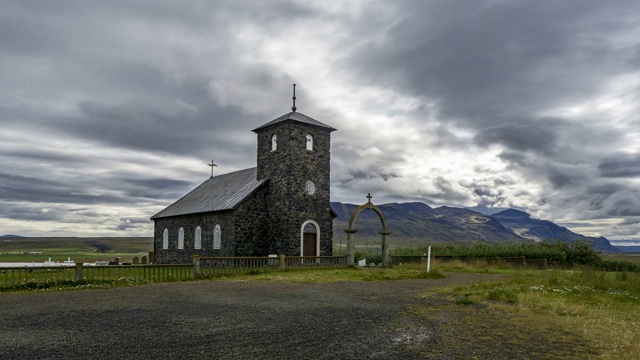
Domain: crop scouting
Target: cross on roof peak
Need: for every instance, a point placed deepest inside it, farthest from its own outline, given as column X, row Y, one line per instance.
column 212, row 165
column 369, row 196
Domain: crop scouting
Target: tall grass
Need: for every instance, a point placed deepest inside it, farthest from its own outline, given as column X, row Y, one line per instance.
column 600, row 306
column 569, row 254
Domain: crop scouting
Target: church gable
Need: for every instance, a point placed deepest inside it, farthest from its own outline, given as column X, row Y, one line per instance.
column 223, row 192
column 295, row 116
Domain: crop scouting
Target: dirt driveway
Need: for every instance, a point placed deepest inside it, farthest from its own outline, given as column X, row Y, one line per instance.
column 240, row 320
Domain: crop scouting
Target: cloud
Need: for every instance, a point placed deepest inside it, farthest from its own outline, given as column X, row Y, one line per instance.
column 620, row 165
column 521, row 136
column 109, row 115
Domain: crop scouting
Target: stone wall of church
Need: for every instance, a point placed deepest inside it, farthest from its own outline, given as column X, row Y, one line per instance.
column 249, row 221
column 241, row 233
column 288, row 169
column 207, row 223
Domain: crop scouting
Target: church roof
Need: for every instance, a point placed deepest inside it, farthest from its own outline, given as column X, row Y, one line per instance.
column 222, row 192
column 295, row 116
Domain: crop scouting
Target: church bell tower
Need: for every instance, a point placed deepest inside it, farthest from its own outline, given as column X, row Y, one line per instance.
column 293, row 154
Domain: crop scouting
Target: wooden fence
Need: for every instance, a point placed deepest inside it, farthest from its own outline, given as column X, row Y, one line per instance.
column 201, row 267
column 206, row 266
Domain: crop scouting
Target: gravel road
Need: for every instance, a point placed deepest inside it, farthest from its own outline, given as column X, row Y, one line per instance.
column 234, row 320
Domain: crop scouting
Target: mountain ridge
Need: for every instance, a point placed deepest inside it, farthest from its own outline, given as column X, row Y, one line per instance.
column 421, row 222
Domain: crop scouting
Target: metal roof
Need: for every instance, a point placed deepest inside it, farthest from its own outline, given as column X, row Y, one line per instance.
column 296, row 116
column 222, row 192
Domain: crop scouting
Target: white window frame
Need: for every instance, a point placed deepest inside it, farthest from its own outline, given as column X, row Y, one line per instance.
column 197, row 244
column 181, row 239
column 217, row 237
column 274, row 142
column 309, row 142
column 165, row 239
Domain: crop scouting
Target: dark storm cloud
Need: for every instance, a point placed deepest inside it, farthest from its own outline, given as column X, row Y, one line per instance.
column 32, row 189
column 130, row 223
column 183, row 132
column 487, row 64
column 160, row 184
column 620, row 165
column 523, row 135
column 371, row 174
column 29, row 213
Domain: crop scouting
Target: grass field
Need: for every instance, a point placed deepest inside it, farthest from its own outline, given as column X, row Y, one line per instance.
column 600, row 306
column 41, row 249
column 630, row 257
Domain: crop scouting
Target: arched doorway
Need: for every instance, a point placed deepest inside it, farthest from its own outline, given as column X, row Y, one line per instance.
column 351, row 230
column 310, row 239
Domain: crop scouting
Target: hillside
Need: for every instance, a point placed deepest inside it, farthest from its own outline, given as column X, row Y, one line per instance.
column 421, row 223
column 524, row 225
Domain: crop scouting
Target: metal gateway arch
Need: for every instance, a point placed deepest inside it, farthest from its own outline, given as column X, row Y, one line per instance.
column 385, row 231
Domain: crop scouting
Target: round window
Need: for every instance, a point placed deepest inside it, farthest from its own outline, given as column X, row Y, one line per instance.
column 310, row 188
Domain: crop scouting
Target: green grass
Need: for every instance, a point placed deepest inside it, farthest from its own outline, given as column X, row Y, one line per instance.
column 578, row 252
column 83, row 284
column 78, row 249
column 332, row 275
column 599, row 307
column 632, row 258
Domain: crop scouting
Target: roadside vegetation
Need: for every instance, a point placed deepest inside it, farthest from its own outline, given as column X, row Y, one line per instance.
column 601, row 306
column 556, row 252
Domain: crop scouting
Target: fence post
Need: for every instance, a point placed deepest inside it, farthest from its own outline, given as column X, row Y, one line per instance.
column 282, row 264
column 196, row 266
column 79, row 271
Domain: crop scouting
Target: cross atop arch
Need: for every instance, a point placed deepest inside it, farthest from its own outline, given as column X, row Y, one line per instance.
column 369, row 196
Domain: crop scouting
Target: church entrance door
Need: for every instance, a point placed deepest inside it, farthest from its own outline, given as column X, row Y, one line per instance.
column 309, row 239
column 309, row 244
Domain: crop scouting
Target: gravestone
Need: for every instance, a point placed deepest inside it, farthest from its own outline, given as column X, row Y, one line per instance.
column 135, row 260
column 144, row 260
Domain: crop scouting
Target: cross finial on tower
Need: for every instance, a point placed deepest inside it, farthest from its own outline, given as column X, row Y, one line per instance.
column 294, row 98
column 212, row 165
column 369, row 196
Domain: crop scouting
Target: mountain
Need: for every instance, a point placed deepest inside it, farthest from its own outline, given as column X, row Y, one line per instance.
column 9, row 236
column 630, row 249
column 522, row 224
column 416, row 223
column 627, row 245
column 420, row 222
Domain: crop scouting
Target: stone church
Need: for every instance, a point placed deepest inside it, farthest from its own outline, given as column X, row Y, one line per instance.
column 279, row 207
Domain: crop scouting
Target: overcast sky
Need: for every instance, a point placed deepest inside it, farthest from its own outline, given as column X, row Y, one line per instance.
column 110, row 110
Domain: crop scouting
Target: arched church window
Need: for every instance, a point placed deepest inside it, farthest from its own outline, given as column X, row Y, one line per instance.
column 309, row 142
column 217, row 236
column 181, row 238
column 274, row 143
column 198, row 240
column 165, row 239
